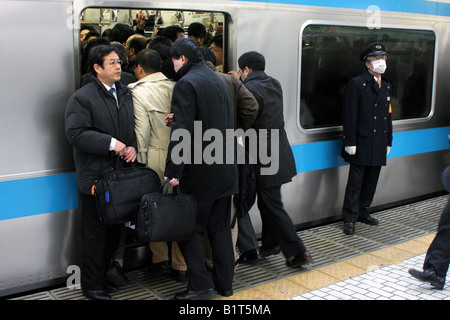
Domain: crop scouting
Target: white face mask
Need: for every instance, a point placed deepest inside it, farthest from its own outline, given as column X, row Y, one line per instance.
column 379, row 66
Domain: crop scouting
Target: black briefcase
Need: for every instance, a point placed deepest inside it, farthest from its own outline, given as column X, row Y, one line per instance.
column 164, row 216
column 119, row 191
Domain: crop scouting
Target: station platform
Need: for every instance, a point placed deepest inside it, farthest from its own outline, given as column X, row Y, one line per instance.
column 372, row 264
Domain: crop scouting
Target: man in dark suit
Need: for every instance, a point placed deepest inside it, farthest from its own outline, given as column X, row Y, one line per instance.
column 437, row 259
column 367, row 126
column 202, row 101
column 99, row 123
column 278, row 228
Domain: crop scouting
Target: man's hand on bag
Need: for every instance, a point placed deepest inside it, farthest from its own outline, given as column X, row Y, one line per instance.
column 126, row 153
column 119, row 148
column 174, row 181
column 351, row 150
column 130, row 154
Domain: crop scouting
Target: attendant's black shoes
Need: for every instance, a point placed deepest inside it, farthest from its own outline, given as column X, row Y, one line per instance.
column 196, row 295
column 428, row 276
column 349, row 227
column 369, row 220
column 299, row 260
column 116, row 275
column 180, row 275
column 97, row 294
column 251, row 256
column 269, row 250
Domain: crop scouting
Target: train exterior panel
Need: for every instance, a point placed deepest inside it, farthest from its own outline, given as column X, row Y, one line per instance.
column 39, row 217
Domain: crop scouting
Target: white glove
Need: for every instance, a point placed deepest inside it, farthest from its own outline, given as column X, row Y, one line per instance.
column 388, row 149
column 351, row 150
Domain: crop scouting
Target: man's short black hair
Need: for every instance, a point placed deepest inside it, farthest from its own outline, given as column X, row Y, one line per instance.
column 187, row 48
column 197, row 30
column 171, row 32
column 97, row 56
column 149, row 60
column 253, row 60
column 162, row 45
column 120, row 33
column 217, row 40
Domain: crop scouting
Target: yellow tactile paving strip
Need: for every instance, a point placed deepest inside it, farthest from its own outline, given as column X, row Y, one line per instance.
column 304, row 282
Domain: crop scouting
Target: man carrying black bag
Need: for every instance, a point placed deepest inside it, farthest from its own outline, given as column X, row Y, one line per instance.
column 201, row 98
column 99, row 123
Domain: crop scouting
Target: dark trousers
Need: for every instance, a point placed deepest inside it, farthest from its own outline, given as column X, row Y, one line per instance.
column 361, row 185
column 438, row 254
column 246, row 240
column 213, row 217
column 100, row 242
column 277, row 226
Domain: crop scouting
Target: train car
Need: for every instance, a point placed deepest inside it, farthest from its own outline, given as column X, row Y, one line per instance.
column 311, row 47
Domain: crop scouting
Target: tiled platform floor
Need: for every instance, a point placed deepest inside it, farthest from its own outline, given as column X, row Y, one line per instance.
column 372, row 264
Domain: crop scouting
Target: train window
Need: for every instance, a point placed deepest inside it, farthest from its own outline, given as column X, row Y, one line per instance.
column 98, row 25
column 329, row 59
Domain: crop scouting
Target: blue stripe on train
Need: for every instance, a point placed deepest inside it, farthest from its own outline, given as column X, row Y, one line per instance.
column 33, row 196
column 431, row 7
column 27, row 197
column 327, row 154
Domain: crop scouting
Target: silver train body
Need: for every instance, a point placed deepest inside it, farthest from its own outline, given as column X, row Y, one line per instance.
column 40, row 229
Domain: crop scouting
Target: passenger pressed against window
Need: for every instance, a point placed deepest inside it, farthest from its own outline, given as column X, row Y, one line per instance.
column 329, row 59
column 150, row 23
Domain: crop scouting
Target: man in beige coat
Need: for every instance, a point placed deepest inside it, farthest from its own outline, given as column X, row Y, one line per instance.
column 152, row 96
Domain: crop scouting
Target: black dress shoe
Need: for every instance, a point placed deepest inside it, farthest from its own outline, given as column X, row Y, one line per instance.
column 269, row 250
column 349, row 228
column 96, row 294
column 368, row 220
column 111, row 288
column 180, row 275
column 196, row 295
column 430, row 276
column 116, row 275
column 299, row 260
column 225, row 293
column 159, row 268
column 251, row 256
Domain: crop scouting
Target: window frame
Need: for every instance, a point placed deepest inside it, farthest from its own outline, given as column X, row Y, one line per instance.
column 397, row 122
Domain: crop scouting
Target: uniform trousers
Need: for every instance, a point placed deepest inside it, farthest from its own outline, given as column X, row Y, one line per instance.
column 100, row 243
column 438, row 254
column 277, row 226
column 213, row 217
column 361, row 185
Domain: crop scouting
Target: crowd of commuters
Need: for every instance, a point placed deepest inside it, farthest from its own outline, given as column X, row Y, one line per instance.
column 135, row 92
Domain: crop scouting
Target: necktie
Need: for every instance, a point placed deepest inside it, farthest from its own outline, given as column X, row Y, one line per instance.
column 113, row 91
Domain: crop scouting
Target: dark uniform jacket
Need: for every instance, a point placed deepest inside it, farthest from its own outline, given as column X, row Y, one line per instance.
column 201, row 95
column 91, row 120
column 269, row 94
column 367, row 120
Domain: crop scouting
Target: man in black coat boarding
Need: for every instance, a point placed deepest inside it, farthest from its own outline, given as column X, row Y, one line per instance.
column 278, row 230
column 367, row 125
column 202, row 100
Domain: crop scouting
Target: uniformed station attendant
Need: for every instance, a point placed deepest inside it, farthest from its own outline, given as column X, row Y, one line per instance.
column 367, row 125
